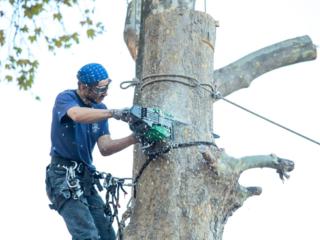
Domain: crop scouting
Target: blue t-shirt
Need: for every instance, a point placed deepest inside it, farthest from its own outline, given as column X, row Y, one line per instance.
column 73, row 140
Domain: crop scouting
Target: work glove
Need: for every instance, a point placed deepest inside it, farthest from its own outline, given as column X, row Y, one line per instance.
column 121, row 114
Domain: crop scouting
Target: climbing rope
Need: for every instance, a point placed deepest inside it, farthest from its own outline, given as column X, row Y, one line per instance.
column 153, row 78
column 172, row 146
column 217, row 95
column 113, row 186
column 126, row 84
column 188, row 81
column 193, row 82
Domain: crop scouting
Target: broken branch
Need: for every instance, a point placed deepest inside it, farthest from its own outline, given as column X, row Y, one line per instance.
column 242, row 72
column 283, row 166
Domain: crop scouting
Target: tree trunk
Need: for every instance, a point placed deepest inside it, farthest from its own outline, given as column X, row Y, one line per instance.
column 178, row 196
column 190, row 192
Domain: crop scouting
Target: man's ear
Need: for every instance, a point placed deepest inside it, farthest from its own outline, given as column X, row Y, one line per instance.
column 81, row 86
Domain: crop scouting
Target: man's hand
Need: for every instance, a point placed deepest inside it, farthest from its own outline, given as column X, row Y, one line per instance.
column 121, row 114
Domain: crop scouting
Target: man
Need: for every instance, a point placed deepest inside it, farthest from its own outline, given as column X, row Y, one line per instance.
column 79, row 121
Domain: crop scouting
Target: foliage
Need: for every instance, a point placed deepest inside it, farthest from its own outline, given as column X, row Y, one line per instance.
column 26, row 24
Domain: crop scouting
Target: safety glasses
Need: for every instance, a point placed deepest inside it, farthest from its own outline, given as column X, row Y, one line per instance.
column 99, row 90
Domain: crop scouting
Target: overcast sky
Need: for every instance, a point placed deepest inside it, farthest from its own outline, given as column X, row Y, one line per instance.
column 289, row 96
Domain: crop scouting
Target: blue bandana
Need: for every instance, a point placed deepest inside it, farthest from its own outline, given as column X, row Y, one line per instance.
column 92, row 73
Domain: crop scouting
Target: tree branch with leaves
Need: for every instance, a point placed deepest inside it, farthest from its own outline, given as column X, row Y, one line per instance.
column 26, row 25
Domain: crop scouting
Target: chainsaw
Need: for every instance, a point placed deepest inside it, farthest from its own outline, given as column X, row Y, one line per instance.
column 154, row 129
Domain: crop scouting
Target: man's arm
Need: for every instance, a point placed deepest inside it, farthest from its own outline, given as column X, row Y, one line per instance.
column 91, row 115
column 88, row 115
column 108, row 146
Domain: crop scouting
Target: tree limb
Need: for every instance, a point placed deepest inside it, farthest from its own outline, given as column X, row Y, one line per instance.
column 210, row 159
column 283, row 166
column 242, row 72
column 132, row 27
column 131, row 32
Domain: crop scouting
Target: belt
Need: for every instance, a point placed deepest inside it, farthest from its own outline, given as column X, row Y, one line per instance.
column 66, row 162
column 88, row 179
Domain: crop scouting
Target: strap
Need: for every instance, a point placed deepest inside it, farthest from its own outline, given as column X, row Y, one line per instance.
column 173, row 146
column 191, row 144
column 55, row 160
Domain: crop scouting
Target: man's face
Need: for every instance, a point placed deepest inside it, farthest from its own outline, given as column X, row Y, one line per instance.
column 98, row 92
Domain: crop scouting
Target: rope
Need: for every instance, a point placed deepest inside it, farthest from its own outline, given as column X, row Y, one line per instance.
column 190, row 144
column 173, row 146
column 113, row 186
column 127, row 84
column 191, row 81
column 217, row 95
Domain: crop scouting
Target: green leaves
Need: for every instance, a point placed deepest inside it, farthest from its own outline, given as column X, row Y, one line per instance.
column 24, row 29
column 18, row 50
column 65, row 41
column 91, row 33
column 32, row 38
column 8, row 78
column 37, row 23
column 24, row 73
column 57, row 16
column 2, row 38
column 33, row 10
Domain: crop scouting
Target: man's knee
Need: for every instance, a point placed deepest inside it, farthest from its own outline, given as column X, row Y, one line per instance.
column 79, row 220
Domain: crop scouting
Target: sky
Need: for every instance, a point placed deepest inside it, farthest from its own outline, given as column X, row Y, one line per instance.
column 289, row 96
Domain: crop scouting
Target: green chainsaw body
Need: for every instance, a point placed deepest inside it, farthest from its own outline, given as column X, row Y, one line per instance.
column 152, row 126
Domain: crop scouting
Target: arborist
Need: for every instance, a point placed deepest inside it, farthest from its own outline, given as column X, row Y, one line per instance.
column 79, row 121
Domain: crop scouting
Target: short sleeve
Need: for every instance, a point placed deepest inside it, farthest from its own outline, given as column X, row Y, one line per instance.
column 64, row 102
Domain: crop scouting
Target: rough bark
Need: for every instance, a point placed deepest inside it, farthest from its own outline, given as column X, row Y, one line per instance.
column 242, row 72
column 190, row 192
column 132, row 27
column 133, row 19
column 174, row 192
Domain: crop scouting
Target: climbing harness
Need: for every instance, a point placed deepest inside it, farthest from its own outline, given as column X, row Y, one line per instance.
column 72, row 181
column 80, row 182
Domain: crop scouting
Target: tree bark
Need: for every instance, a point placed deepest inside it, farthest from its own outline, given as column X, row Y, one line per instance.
column 175, row 194
column 189, row 193
column 242, row 72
